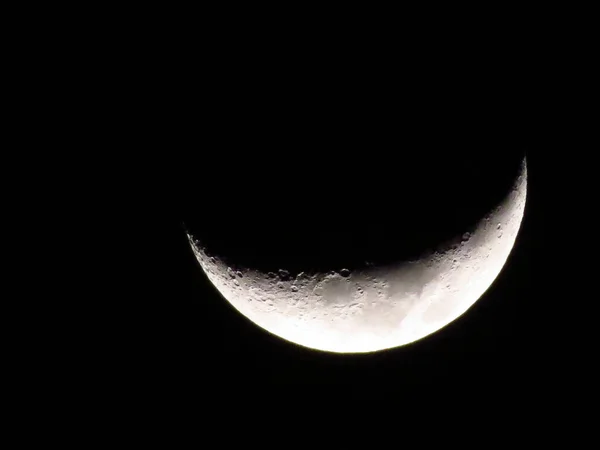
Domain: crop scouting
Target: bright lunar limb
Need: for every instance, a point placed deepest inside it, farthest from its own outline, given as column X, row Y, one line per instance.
column 375, row 308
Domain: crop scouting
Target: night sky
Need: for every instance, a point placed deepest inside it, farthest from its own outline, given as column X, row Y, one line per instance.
column 294, row 156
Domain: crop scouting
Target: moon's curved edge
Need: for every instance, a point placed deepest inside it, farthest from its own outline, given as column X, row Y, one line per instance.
column 373, row 309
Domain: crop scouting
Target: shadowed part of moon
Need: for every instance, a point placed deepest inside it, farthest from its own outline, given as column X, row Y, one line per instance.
column 314, row 215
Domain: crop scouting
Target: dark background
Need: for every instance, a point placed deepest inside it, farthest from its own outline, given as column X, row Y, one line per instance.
column 170, row 124
column 243, row 144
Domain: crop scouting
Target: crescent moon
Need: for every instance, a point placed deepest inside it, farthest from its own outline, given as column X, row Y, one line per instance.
column 375, row 308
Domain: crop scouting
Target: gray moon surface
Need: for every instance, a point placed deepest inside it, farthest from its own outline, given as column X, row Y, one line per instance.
column 375, row 308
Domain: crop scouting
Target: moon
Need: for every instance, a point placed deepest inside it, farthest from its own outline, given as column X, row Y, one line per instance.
column 374, row 307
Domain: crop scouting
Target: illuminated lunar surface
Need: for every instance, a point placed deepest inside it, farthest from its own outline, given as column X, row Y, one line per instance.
column 375, row 308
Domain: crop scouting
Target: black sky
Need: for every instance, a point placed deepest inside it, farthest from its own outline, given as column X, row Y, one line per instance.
column 298, row 155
